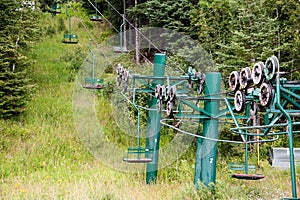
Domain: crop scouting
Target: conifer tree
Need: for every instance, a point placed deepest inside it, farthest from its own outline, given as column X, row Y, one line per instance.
column 169, row 14
column 287, row 13
column 253, row 36
column 210, row 21
column 19, row 29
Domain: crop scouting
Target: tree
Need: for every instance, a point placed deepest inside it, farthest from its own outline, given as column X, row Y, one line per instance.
column 169, row 14
column 19, row 28
column 253, row 36
column 237, row 33
column 287, row 13
column 210, row 22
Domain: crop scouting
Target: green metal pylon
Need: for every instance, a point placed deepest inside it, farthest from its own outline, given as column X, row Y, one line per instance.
column 290, row 136
column 153, row 124
column 93, row 63
column 206, row 153
column 69, row 17
column 121, row 32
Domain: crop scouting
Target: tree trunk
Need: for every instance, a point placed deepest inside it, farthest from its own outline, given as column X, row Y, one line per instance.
column 252, row 59
column 125, row 22
column 278, row 36
column 137, row 42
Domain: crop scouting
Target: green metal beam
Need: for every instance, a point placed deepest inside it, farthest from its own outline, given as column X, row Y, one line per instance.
column 206, row 153
column 153, row 124
column 290, row 135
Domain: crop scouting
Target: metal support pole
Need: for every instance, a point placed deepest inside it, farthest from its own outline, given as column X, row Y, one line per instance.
column 121, row 33
column 93, row 63
column 290, row 135
column 246, row 153
column 206, row 153
column 124, row 27
column 153, row 124
column 96, row 8
column 70, row 24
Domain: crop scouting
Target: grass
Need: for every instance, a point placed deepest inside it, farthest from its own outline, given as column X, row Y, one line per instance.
column 42, row 156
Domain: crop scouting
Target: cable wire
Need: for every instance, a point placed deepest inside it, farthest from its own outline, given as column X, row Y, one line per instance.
column 136, row 29
column 130, row 44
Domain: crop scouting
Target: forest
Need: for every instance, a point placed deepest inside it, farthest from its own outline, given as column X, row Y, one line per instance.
column 44, row 154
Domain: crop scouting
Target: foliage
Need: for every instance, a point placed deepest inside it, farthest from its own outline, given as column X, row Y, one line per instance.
column 73, row 60
column 288, row 35
column 165, row 14
column 253, row 37
column 61, row 25
column 50, row 30
column 20, row 28
column 238, row 33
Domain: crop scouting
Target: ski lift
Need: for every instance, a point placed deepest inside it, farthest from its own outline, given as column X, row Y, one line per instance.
column 96, row 17
column 240, row 167
column 138, row 154
column 55, row 9
column 244, row 169
column 122, row 48
column 92, row 82
column 70, row 38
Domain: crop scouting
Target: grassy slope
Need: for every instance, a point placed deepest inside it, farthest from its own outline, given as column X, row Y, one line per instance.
column 44, row 158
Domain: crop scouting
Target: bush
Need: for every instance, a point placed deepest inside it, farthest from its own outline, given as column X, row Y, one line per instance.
column 50, row 30
column 61, row 25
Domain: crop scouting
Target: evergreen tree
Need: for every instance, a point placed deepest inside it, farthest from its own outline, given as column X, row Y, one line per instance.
column 169, row 14
column 210, row 21
column 287, row 13
column 237, row 33
column 253, row 36
column 18, row 31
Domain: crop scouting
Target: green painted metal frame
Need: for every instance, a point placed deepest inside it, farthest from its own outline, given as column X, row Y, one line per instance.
column 205, row 165
column 290, row 136
column 70, row 38
column 280, row 91
column 121, row 48
column 92, row 82
column 96, row 17
column 153, row 123
column 206, row 152
column 55, row 9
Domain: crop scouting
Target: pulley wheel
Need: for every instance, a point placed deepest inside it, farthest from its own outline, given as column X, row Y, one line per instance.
column 169, row 108
column 258, row 73
column 271, row 66
column 190, row 69
column 159, row 104
column 239, row 101
column 172, row 92
column 125, row 75
column 253, row 108
column 245, row 77
column 163, row 93
column 203, row 78
column 157, row 91
column 194, row 71
column 190, row 84
column 201, row 81
column 199, row 88
column 266, row 94
column 234, row 81
column 119, row 69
